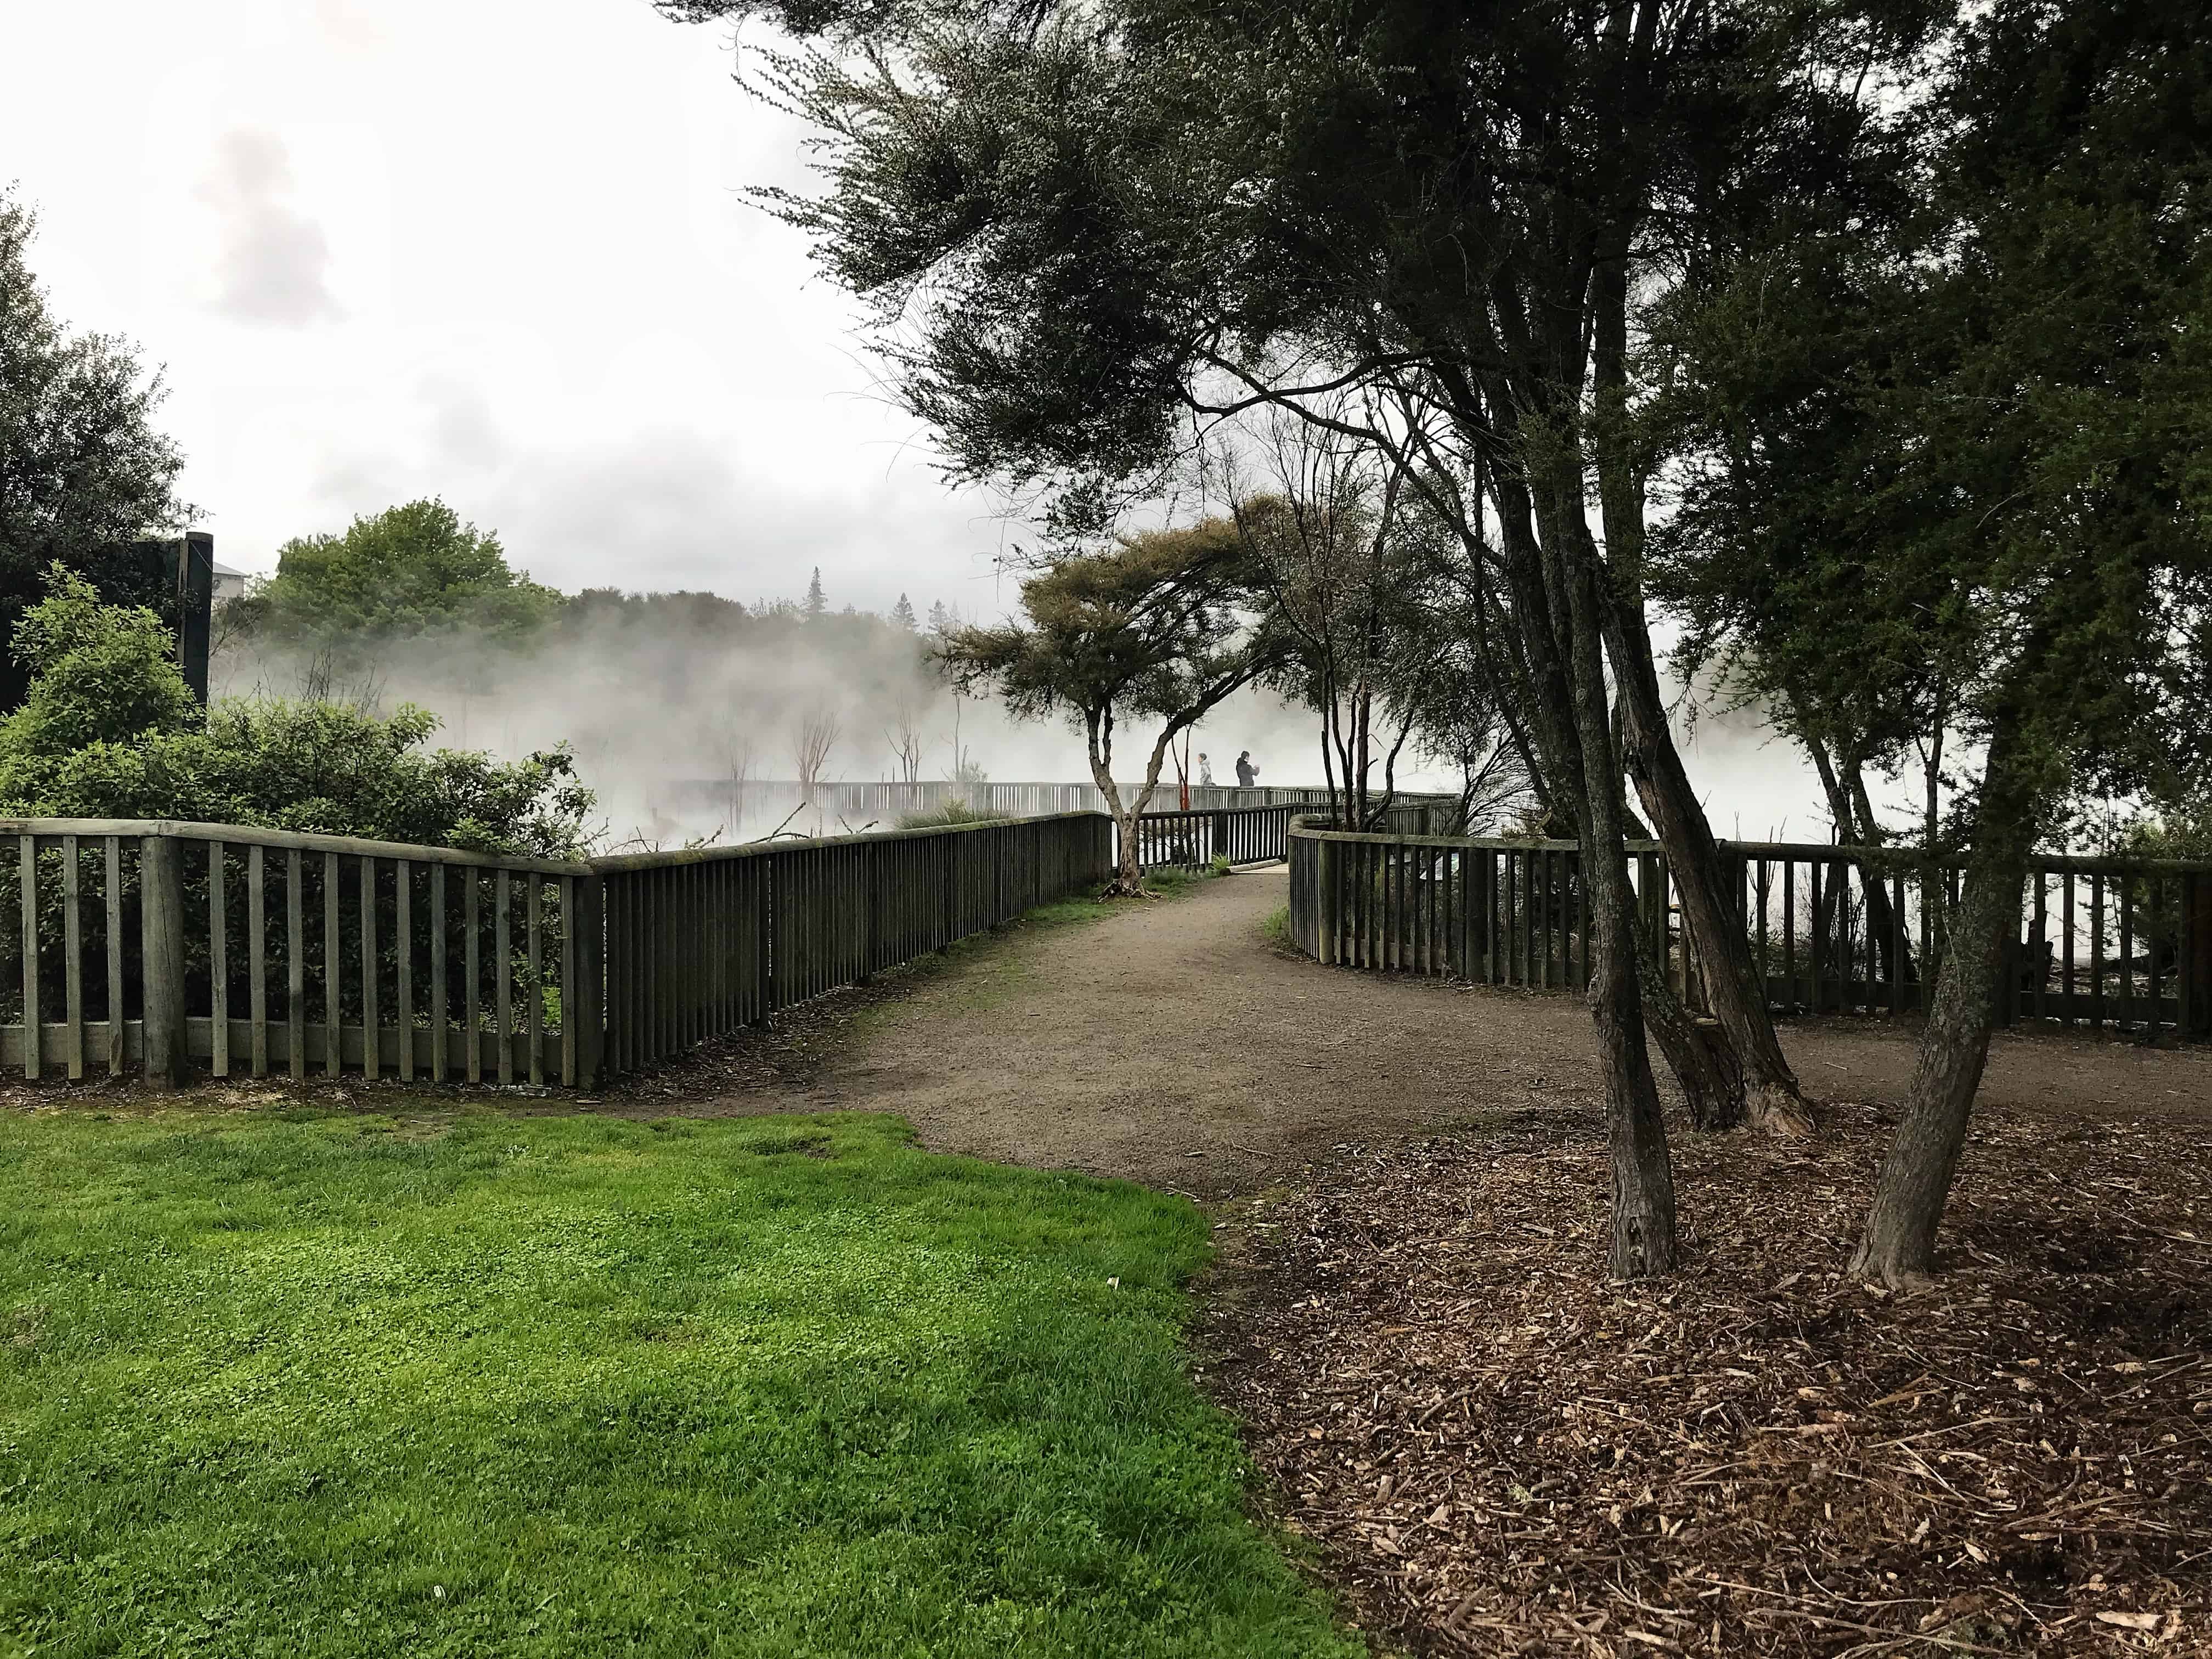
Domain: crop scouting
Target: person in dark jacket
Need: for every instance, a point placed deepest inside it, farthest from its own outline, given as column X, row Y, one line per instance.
column 1246, row 774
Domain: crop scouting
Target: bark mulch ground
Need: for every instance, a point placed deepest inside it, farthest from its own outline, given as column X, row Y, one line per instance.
column 1498, row 1452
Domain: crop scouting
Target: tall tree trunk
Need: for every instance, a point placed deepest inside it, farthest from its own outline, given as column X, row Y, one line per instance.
column 1703, row 1064
column 1644, row 1242
column 1734, row 990
column 1900, row 1242
column 1098, row 730
column 1773, row 1101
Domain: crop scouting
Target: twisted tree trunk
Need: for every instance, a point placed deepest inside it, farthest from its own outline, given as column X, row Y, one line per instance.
column 1915, row 1184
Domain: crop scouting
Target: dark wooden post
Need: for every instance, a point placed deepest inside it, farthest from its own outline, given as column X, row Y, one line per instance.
column 2197, row 954
column 584, row 1002
column 161, row 937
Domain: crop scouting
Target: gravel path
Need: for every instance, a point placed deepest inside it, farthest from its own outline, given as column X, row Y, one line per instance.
column 1173, row 1045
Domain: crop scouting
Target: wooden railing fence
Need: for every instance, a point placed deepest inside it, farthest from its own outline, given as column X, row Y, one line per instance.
column 2102, row 942
column 1258, row 834
column 143, row 945
column 699, row 943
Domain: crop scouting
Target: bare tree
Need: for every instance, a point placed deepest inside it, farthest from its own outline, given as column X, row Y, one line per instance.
column 812, row 740
column 738, row 752
column 1324, row 511
column 905, row 741
column 967, row 771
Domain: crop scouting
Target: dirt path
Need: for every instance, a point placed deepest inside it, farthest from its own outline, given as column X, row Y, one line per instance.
column 1173, row 1045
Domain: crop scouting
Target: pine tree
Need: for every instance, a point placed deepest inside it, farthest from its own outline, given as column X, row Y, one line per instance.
column 903, row 614
column 940, row 617
column 815, row 604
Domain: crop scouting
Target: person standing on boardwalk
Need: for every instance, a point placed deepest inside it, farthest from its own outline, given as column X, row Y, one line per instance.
column 1204, row 772
column 1246, row 774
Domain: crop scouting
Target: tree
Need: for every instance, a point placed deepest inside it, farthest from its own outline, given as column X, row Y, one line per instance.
column 1149, row 627
column 1977, row 441
column 902, row 615
column 817, row 606
column 84, row 472
column 940, row 619
column 812, row 741
column 409, row 569
column 907, row 744
column 1329, row 528
column 738, row 745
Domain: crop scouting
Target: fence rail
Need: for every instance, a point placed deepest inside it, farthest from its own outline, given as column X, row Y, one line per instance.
column 148, row 945
column 754, row 800
column 2102, row 943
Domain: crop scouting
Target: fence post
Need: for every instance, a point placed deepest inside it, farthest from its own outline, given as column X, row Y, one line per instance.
column 161, row 937
column 1221, row 836
column 2196, row 955
column 584, row 1002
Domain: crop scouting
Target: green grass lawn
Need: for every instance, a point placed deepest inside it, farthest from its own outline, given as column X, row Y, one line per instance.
column 293, row 1384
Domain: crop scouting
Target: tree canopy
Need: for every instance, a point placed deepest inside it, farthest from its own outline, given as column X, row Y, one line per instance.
column 1155, row 626
column 84, row 471
column 413, row 568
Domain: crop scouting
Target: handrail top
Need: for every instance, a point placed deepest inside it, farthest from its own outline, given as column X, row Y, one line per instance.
column 242, row 835
column 1899, row 856
column 614, row 862
column 247, row 835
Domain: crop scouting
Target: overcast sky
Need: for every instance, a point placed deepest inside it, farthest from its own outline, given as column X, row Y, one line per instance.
column 490, row 250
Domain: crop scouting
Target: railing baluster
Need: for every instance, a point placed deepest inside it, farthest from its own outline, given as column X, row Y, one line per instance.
column 218, row 965
column 295, row 965
column 256, row 955
column 503, row 966
column 441, row 1017
column 333, row 960
column 116, row 1008
column 73, row 965
column 403, row 924
column 571, row 1002
column 372, row 1031
column 472, row 967
column 27, row 853
column 534, row 946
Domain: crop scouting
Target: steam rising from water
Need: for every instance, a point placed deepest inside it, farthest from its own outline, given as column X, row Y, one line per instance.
column 663, row 718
